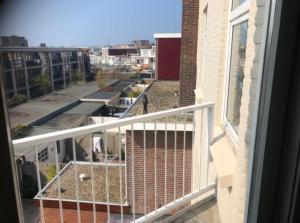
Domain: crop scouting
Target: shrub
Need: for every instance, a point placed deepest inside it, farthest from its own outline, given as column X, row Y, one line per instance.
column 101, row 78
column 20, row 131
column 51, row 172
column 77, row 76
column 43, row 83
column 134, row 94
column 16, row 100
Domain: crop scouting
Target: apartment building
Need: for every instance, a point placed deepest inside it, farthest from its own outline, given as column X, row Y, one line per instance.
column 15, row 41
column 226, row 76
column 21, row 67
column 119, row 56
column 229, row 56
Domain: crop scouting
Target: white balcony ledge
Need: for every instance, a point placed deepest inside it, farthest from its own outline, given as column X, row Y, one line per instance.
column 224, row 160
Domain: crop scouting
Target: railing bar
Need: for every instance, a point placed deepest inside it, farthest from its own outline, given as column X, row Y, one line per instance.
column 59, row 185
column 145, row 169
column 207, row 147
column 175, row 156
column 121, row 174
column 152, row 216
column 106, row 176
column 201, row 150
column 210, row 128
column 193, row 141
column 183, row 158
column 76, row 181
column 166, row 164
column 155, row 165
column 84, row 130
column 92, row 179
column 132, row 173
column 39, row 185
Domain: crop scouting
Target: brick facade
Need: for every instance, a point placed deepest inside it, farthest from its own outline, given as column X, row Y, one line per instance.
column 52, row 213
column 188, row 58
column 138, row 146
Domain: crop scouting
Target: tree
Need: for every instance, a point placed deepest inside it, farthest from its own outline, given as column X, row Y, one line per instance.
column 43, row 83
column 77, row 76
column 101, row 78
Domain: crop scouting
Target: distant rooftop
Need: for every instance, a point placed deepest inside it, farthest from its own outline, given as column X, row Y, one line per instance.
column 111, row 91
column 162, row 95
column 68, row 183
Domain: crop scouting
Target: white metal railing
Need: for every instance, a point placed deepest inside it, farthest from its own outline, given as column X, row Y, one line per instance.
column 183, row 121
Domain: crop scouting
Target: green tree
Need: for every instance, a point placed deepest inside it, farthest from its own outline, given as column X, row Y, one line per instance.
column 77, row 76
column 101, row 78
column 43, row 83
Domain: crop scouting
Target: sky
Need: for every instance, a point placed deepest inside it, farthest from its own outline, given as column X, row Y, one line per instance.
column 89, row 22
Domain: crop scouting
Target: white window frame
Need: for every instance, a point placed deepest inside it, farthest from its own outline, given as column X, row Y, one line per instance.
column 237, row 16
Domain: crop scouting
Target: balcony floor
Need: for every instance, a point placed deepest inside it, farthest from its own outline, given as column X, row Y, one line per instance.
column 199, row 213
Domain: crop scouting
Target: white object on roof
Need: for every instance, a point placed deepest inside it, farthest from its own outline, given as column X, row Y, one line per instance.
column 97, row 144
column 82, row 177
column 167, row 35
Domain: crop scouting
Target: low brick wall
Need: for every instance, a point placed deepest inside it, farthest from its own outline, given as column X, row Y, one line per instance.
column 52, row 213
column 150, row 155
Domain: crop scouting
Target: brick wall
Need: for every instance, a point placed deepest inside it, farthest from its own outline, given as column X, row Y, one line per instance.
column 52, row 215
column 188, row 57
column 150, row 155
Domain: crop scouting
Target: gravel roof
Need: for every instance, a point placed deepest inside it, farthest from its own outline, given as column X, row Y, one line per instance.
column 162, row 95
column 68, row 183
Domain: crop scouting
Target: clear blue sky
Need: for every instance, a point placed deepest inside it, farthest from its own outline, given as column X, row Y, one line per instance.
column 89, row 22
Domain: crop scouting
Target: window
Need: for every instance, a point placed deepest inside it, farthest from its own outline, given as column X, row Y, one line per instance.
column 235, row 67
column 43, row 155
column 236, row 3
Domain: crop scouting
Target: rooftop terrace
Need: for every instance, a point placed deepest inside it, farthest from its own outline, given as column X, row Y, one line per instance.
column 68, row 183
column 162, row 95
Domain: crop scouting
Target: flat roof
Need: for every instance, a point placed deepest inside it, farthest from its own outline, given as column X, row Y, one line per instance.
column 167, row 35
column 162, row 95
column 68, row 183
column 85, row 108
column 63, row 121
column 36, row 108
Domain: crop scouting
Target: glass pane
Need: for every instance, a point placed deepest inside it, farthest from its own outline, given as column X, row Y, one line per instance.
column 236, row 3
column 236, row 73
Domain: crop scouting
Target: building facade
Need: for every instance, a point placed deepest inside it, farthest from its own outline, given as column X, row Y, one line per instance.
column 22, row 66
column 167, row 56
column 13, row 41
column 230, row 47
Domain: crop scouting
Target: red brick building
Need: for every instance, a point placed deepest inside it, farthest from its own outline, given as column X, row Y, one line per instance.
column 167, row 56
column 138, row 166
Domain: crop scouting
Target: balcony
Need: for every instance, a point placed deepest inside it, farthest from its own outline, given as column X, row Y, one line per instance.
column 152, row 167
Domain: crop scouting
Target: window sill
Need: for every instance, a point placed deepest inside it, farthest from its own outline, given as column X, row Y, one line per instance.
column 224, row 159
